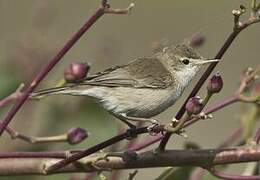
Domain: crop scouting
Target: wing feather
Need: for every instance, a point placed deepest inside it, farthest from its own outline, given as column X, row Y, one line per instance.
column 140, row 73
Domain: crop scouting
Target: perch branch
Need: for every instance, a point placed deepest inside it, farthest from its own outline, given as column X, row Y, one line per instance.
column 22, row 164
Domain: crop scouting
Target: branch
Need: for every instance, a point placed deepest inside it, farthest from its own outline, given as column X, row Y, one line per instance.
column 73, row 136
column 128, row 134
column 12, row 97
column 23, row 164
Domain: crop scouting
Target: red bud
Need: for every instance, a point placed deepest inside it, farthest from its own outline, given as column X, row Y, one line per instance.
column 76, row 135
column 215, row 84
column 76, row 71
column 194, row 105
column 197, row 40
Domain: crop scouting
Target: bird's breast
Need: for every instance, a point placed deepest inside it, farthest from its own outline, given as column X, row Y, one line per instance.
column 141, row 102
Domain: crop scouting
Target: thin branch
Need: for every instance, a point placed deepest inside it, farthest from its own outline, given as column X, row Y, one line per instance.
column 132, row 175
column 128, row 134
column 49, row 66
column 147, row 142
column 116, row 174
column 12, row 97
column 73, row 136
column 219, row 55
column 33, row 140
column 215, row 107
column 120, row 11
column 24, row 164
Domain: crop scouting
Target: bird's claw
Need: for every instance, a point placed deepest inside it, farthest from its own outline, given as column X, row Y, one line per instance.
column 152, row 128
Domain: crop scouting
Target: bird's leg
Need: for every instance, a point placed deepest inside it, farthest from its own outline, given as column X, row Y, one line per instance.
column 154, row 123
column 124, row 120
column 132, row 128
column 138, row 119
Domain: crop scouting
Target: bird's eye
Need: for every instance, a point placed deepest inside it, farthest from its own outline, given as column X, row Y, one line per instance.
column 185, row 61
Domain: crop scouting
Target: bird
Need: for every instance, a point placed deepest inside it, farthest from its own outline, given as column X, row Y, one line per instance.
column 142, row 88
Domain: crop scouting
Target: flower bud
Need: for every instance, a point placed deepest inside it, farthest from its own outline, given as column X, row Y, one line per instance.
column 76, row 135
column 194, row 105
column 215, row 84
column 76, row 71
column 197, row 40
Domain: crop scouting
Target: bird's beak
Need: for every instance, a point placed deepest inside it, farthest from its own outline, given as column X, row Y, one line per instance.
column 202, row 62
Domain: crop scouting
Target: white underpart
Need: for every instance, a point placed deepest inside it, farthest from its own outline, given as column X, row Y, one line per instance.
column 133, row 102
column 186, row 75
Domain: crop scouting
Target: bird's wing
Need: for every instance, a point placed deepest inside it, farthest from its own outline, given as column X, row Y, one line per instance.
column 140, row 73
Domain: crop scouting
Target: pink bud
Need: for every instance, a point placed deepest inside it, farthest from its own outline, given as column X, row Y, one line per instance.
column 197, row 40
column 76, row 135
column 194, row 105
column 215, row 84
column 76, row 71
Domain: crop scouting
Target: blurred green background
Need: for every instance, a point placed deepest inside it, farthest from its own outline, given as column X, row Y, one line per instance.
column 33, row 30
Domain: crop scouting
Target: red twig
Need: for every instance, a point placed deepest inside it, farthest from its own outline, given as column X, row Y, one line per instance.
column 94, row 149
column 12, row 97
column 215, row 107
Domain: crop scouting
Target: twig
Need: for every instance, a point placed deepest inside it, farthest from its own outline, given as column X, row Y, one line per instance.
column 73, row 136
column 146, row 143
column 33, row 140
column 49, row 66
column 12, row 97
column 120, row 11
column 132, row 175
column 215, row 107
column 248, row 77
column 95, row 148
column 116, row 174
column 236, row 30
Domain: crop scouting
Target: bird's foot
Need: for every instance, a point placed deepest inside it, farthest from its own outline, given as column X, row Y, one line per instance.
column 131, row 133
column 154, row 128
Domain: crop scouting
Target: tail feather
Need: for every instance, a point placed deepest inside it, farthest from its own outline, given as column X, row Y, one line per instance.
column 50, row 91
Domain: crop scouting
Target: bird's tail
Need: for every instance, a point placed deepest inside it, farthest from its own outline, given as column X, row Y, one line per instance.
column 50, row 91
